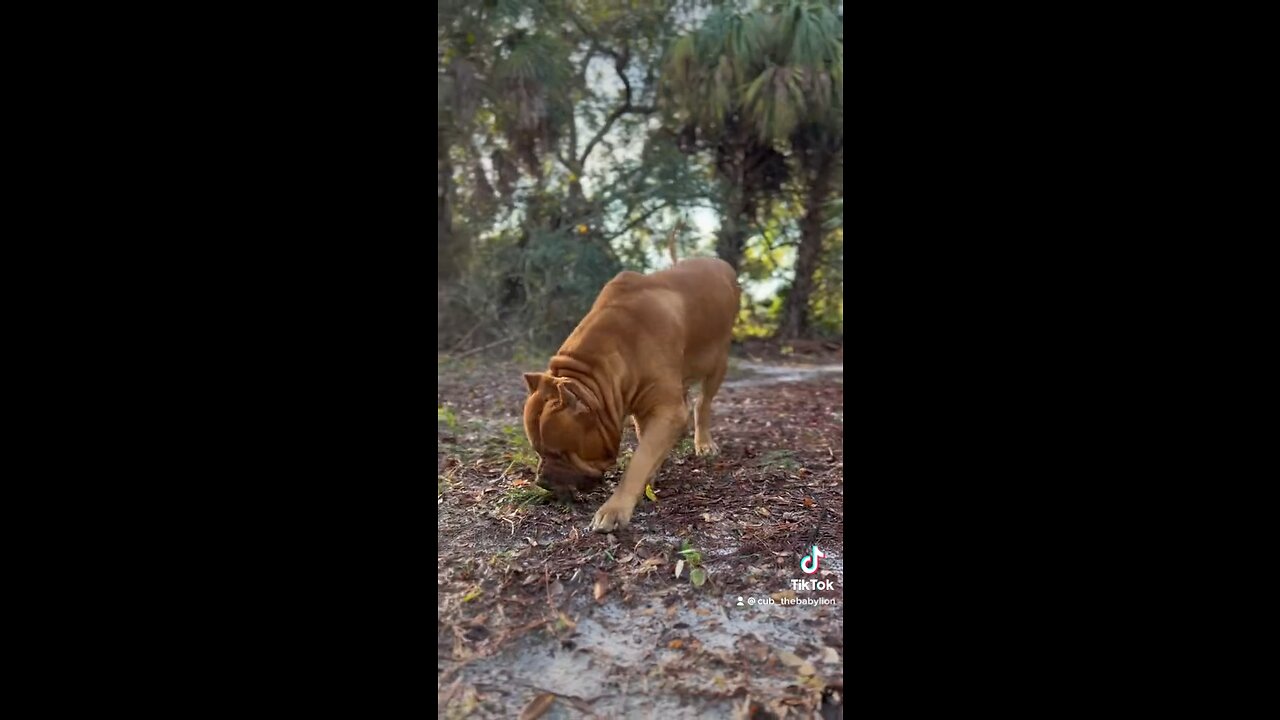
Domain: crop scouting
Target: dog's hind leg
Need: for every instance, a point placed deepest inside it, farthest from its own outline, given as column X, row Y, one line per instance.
column 702, row 442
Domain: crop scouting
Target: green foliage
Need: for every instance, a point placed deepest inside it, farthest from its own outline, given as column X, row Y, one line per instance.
column 446, row 415
column 691, row 556
column 758, row 319
column 835, row 214
column 780, row 68
column 827, row 302
column 697, row 573
column 551, row 118
column 763, row 90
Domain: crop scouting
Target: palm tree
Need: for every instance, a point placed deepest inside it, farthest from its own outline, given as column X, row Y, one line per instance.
column 764, row 92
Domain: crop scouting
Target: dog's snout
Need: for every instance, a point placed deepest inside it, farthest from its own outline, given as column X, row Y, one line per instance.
column 557, row 472
column 561, row 477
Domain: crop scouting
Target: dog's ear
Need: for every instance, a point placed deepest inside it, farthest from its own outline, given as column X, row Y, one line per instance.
column 533, row 380
column 568, row 395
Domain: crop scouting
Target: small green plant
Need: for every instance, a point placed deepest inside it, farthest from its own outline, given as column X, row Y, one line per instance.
column 503, row 559
column 697, row 574
column 446, row 415
column 563, row 623
column 685, row 447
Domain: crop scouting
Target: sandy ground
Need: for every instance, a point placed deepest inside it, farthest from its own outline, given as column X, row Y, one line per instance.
column 538, row 615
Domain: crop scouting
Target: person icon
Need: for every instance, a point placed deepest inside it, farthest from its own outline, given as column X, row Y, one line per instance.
column 740, row 604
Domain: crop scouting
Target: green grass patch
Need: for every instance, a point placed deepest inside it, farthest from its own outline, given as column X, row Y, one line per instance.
column 517, row 448
column 510, row 445
column 781, row 459
column 526, row 495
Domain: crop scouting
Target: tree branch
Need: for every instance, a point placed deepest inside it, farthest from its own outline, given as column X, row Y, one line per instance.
column 621, row 60
column 637, row 221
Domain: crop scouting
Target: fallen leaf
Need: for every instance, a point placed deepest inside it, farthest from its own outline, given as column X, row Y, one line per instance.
column 648, row 492
column 784, row 595
column 703, row 612
column 762, row 512
column 830, row 656
column 806, row 668
column 475, row 593
column 814, row 682
column 808, row 502
column 671, row 611
column 537, row 707
column 653, row 562
column 602, row 586
column 573, row 534
column 679, row 566
column 789, row 659
column 568, row 621
column 697, row 576
column 676, row 644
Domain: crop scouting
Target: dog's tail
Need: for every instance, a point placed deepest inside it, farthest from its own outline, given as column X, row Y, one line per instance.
column 671, row 241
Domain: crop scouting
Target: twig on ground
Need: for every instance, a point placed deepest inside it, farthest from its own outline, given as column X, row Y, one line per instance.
column 482, row 348
column 467, row 337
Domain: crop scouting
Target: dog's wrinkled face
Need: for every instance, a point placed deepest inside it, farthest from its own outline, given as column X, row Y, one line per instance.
column 566, row 434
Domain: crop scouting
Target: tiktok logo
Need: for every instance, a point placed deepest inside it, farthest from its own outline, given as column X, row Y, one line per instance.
column 809, row 563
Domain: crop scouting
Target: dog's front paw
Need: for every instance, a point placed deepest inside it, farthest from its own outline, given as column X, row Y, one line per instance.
column 706, row 447
column 614, row 514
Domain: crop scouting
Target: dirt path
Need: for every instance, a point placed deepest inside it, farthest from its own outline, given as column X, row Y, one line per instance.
column 534, row 605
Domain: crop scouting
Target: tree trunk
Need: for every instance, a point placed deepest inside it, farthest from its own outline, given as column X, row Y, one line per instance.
column 446, row 251
column 733, row 227
column 795, row 312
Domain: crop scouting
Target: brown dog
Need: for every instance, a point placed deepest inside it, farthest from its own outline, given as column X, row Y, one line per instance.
column 646, row 339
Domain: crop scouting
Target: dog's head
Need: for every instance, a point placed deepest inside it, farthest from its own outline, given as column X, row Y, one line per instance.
column 563, row 426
